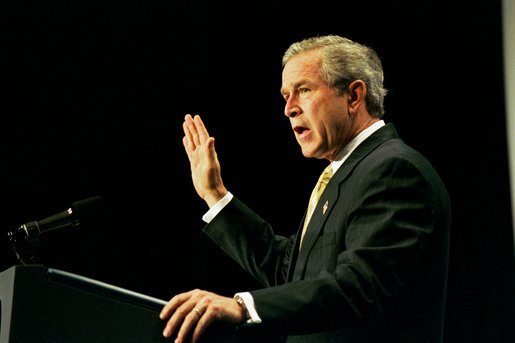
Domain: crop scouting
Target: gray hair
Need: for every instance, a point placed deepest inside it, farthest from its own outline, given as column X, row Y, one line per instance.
column 344, row 61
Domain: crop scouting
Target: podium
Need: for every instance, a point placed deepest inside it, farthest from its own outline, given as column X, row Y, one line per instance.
column 41, row 304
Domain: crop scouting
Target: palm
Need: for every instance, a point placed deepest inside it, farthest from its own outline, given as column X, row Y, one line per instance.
column 205, row 167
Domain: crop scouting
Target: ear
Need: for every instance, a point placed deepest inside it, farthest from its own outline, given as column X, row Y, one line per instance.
column 357, row 91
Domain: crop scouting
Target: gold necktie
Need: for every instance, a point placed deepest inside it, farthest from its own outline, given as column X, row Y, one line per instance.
column 323, row 180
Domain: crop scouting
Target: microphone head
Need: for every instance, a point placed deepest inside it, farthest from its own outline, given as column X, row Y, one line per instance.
column 89, row 212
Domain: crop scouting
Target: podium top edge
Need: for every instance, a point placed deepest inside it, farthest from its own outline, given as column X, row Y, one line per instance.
column 104, row 288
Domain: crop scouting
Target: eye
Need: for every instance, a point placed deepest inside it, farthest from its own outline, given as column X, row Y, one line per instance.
column 303, row 90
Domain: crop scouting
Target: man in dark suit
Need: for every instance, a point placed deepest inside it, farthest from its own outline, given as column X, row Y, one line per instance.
column 370, row 263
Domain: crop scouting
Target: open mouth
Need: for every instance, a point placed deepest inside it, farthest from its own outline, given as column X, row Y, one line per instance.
column 301, row 131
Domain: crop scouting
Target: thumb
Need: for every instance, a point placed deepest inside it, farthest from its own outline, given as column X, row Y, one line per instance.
column 211, row 147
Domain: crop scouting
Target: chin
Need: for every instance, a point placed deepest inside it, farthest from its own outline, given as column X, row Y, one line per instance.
column 310, row 151
column 308, row 154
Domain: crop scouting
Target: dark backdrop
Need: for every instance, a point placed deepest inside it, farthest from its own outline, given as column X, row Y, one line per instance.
column 93, row 95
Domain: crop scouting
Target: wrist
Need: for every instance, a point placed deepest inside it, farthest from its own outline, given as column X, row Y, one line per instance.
column 214, row 197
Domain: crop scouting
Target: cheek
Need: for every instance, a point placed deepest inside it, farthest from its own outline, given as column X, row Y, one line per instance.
column 315, row 111
column 334, row 126
column 325, row 116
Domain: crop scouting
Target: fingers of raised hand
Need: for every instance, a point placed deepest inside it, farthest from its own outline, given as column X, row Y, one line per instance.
column 195, row 131
column 201, row 129
column 190, row 132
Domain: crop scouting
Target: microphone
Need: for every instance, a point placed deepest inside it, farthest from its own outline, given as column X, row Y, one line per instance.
column 26, row 238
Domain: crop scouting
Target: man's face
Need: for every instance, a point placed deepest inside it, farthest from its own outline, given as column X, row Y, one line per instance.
column 318, row 115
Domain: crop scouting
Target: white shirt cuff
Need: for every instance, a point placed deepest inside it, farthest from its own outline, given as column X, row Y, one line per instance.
column 251, row 308
column 213, row 211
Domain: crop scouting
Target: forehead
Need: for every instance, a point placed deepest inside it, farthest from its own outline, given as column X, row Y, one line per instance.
column 305, row 66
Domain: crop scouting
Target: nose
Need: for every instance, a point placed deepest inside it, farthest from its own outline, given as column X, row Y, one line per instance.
column 292, row 109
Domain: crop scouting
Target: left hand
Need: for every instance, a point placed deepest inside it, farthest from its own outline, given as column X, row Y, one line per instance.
column 192, row 312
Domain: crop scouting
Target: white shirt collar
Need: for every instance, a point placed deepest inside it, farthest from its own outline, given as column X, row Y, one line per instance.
column 349, row 147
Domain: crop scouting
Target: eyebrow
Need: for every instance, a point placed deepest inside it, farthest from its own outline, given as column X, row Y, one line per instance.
column 296, row 85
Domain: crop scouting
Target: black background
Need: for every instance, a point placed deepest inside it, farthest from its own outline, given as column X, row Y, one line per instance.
column 93, row 94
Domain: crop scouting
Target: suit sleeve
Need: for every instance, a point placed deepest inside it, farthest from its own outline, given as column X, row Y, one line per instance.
column 250, row 241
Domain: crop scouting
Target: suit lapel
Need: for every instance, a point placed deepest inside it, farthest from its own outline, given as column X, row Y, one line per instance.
column 330, row 197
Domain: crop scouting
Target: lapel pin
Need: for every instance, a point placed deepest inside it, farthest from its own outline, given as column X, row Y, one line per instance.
column 326, row 205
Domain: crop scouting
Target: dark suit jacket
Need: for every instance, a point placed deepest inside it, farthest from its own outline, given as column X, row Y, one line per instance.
column 373, row 266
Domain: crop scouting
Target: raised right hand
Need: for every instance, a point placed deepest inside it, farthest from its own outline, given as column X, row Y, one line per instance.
column 205, row 167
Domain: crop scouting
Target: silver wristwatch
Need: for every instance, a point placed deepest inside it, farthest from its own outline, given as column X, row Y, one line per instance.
column 240, row 302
